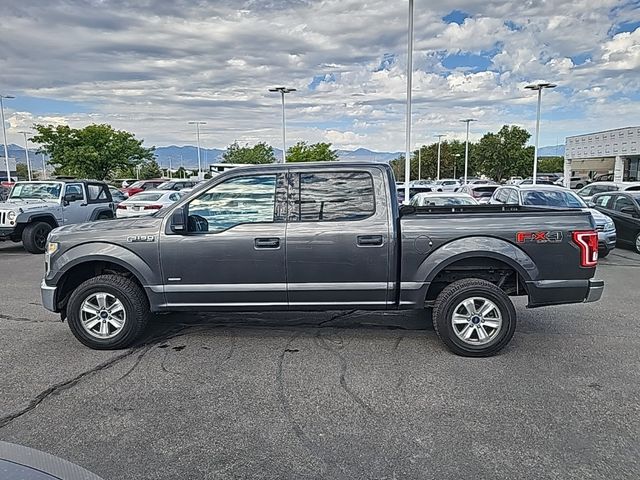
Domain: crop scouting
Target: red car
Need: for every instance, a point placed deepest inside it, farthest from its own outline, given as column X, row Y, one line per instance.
column 141, row 186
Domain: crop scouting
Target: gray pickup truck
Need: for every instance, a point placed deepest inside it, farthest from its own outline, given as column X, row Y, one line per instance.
column 323, row 236
column 33, row 209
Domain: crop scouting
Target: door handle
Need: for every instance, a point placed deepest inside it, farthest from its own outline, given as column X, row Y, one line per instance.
column 265, row 243
column 370, row 240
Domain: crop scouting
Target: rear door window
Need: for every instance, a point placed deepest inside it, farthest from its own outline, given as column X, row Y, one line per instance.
column 335, row 196
column 622, row 202
column 513, row 197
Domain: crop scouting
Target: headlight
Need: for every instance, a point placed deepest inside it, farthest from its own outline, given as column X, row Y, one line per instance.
column 609, row 226
column 11, row 215
column 52, row 247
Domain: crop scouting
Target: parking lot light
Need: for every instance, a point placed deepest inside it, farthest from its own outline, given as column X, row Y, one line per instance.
column 407, row 160
column 4, row 133
column 26, row 152
column 197, row 124
column 439, row 140
column 539, row 87
column 466, row 149
column 283, row 91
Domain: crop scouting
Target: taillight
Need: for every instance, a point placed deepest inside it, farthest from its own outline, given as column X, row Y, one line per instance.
column 121, row 207
column 588, row 243
column 153, row 207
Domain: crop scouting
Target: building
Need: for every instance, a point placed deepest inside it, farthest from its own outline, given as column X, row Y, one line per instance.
column 223, row 167
column 3, row 168
column 615, row 152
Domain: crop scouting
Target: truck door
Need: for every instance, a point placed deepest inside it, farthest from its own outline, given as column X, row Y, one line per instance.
column 232, row 255
column 77, row 211
column 337, row 244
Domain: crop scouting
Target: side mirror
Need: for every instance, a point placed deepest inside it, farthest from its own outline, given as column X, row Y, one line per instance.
column 629, row 211
column 590, row 204
column 72, row 197
column 178, row 220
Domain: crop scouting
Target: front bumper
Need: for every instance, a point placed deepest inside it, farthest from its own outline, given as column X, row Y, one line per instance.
column 48, row 295
column 6, row 232
column 607, row 240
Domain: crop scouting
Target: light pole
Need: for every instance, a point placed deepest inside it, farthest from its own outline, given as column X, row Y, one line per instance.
column 4, row 133
column 439, row 138
column 466, row 149
column 197, row 123
column 44, row 168
column 26, row 152
column 407, row 158
column 169, row 167
column 282, row 91
column 455, row 164
column 539, row 87
column 419, row 162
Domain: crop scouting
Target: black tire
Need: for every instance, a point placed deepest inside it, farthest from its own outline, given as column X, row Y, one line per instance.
column 133, row 299
column 579, row 186
column 34, row 236
column 603, row 253
column 104, row 216
column 637, row 246
column 452, row 296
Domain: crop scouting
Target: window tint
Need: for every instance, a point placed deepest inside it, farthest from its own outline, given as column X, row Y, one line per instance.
column 588, row 191
column 249, row 199
column 97, row 193
column 551, row 199
column 174, row 197
column 602, row 200
column 145, row 197
column 622, row 202
column 502, row 195
column 600, row 189
column 336, row 196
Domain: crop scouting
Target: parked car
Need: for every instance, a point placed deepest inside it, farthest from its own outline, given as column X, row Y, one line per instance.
column 146, row 203
column 576, row 182
column 316, row 237
column 447, row 185
column 442, row 199
column 481, row 181
column 601, row 187
column 117, row 195
column 141, row 186
column 624, row 209
column 413, row 190
column 4, row 193
column 539, row 181
column 482, row 193
column 513, row 181
column 177, row 185
column 33, row 209
column 127, row 182
column 553, row 196
column 605, row 177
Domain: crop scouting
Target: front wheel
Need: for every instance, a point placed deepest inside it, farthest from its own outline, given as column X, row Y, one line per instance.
column 34, row 237
column 638, row 242
column 474, row 318
column 108, row 312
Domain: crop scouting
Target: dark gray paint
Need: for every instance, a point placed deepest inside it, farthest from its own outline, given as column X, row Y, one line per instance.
column 319, row 265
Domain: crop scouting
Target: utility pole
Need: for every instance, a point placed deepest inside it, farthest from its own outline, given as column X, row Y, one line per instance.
column 26, row 152
column 4, row 133
column 439, row 138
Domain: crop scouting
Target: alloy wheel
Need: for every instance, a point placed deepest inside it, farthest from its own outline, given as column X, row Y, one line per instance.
column 476, row 320
column 102, row 315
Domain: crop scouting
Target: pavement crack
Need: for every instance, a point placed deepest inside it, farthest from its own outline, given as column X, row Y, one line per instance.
column 22, row 319
column 42, row 396
column 337, row 317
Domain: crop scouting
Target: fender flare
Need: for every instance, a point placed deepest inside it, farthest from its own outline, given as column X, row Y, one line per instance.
column 98, row 211
column 28, row 218
column 102, row 251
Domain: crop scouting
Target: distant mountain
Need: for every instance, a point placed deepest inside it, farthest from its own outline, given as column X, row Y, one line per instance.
column 551, row 151
column 364, row 154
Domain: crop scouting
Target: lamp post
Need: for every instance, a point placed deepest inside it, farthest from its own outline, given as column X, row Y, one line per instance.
column 26, row 152
column 283, row 91
column 197, row 123
column 466, row 149
column 44, row 168
column 455, row 164
column 419, row 162
column 407, row 158
column 4, row 133
column 439, row 138
column 538, row 87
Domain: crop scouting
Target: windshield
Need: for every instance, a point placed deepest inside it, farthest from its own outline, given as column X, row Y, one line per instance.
column 441, row 201
column 44, row 191
column 167, row 186
column 552, row 199
column 145, row 197
column 483, row 192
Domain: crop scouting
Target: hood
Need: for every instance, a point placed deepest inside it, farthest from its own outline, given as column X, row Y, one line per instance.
column 124, row 224
column 28, row 204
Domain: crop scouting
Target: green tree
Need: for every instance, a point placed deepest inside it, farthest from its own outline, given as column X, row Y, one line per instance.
column 316, row 152
column 504, row 154
column 149, row 170
column 95, row 151
column 22, row 171
column 550, row 164
column 259, row 153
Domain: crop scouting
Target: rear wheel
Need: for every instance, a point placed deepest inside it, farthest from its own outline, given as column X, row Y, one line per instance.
column 579, row 185
column 603, row 253
column 474, row 318
column 34, row 236
column 105, row 216
column 108, row 312
column 638, row 242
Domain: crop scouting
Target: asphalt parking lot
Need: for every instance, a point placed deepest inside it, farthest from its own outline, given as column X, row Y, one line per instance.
column 332, row 395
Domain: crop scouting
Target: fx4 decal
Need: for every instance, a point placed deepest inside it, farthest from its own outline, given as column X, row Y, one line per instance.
column 539, row 237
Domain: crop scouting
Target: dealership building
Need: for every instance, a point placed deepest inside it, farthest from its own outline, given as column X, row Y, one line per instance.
column 615, row 152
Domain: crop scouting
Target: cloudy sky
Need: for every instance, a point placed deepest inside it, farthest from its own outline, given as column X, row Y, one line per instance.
column 150, row 66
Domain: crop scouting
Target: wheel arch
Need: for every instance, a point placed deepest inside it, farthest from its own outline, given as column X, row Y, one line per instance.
column 40, row 217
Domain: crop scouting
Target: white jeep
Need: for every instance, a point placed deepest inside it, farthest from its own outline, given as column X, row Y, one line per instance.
column 33, row 209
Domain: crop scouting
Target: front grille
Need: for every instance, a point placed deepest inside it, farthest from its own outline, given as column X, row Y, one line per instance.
column 3, row 217
column 599, row 228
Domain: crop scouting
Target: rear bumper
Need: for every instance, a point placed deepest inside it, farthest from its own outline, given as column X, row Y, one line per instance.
column 558, row 292
column 48, row 295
